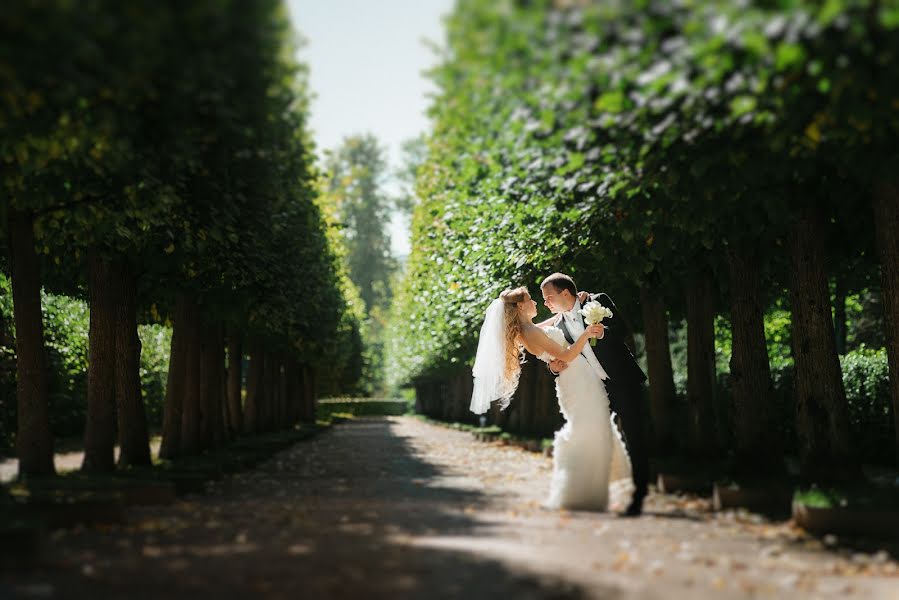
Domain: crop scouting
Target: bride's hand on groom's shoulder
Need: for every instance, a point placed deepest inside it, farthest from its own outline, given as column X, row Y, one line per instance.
column 582, row 297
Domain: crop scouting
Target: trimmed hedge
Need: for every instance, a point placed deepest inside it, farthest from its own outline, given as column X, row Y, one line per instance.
column 359, row 407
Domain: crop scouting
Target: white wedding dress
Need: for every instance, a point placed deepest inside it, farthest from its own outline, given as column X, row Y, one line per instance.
column 591, row 468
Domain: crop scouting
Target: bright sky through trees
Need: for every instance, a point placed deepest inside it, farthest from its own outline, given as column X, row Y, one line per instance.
column 366, row 63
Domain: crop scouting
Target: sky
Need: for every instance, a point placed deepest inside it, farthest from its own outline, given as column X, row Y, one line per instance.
column 366, row 61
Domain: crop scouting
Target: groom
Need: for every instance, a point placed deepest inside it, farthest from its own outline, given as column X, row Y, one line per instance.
column 625, row 383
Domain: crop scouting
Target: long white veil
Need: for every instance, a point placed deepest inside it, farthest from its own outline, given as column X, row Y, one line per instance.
column 490, row 382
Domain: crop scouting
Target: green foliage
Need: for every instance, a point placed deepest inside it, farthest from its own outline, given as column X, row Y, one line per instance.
column 356, row 178
column 866, row 379
column 155, row 342
column 346, row 374
column 194, row 167
column 869, row 498
column 633, row 144
column 360, row 211
column 778, row 327
column 66, row 325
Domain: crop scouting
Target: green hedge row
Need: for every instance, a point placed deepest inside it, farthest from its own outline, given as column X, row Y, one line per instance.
column 359, row 407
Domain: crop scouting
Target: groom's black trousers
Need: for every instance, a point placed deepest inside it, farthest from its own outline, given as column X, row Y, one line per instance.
column 626, row 399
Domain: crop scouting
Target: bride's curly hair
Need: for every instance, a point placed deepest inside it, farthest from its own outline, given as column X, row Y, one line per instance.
column 514, row 348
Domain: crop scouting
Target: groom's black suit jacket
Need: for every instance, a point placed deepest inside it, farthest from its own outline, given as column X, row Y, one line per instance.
column 611, row 350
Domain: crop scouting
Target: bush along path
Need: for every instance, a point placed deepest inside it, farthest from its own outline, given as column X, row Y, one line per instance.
column 387, row 507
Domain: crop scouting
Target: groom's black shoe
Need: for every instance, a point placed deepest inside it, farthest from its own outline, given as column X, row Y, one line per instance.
column 635, row 509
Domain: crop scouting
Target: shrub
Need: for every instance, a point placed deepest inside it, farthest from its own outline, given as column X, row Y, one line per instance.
column 156, row 341
column 66, row 326
column 866, row 378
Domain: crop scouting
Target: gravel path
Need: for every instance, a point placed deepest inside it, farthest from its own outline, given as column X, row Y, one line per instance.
column 398, row 508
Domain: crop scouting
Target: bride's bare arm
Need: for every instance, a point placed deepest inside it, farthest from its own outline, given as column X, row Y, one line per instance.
column 546, row 323
column 537, row 342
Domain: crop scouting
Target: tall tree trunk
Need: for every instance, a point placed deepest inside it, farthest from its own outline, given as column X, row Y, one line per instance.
column 526, row 396
column 191, row 439
column 662, row 394
column 468, row 388
column 227, row 434
column 221, row 400
column 501, row 418
column 825, row 444
column 310, row 412
column 300, row 392
column 100, row 432
column 34, row 443
column 225, row 416
column 235, row 362
column 758, row 444
column 265, row 391
column 177, row 378
column 701, row 364
column 269, row 391
column 274, row 384
column 212, row 360
column 839, row 314
column 134, row 439
column 548, row 406
column 283, row 395
column 254, row 389
column 463, row 395
column 291, row 381
column 277, row 400
column 886, row 212
column 206, row 394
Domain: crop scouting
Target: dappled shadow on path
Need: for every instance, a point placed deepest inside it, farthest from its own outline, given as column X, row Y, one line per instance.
column 337, row 517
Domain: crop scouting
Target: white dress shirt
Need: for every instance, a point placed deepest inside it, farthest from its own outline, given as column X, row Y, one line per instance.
column 576, row 327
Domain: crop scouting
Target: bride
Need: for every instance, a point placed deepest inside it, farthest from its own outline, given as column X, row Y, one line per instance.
column 591, row 470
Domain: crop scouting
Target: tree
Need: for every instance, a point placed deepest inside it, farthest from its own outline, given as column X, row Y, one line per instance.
column 357, row 172
column 34, row 443
column 187, row 189
column 675, row 148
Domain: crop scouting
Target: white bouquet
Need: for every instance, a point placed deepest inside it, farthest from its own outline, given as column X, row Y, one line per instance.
column 593, row 313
